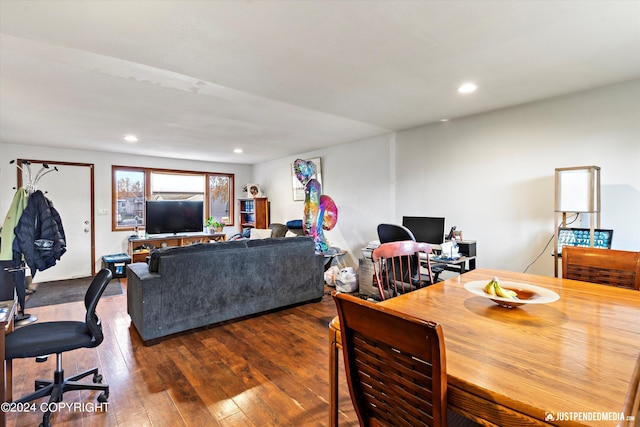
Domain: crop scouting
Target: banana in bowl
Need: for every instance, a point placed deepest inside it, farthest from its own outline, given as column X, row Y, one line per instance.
column 511, row 294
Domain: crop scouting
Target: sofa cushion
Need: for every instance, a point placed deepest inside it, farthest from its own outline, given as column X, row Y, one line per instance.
column 279, row 230
column 156, row 254
column 294, row 224
column 256, row 243
column 259, row 233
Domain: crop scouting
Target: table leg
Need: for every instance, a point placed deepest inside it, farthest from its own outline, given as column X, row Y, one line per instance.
column 8, row 380
column 6, row 372
column 3, row 396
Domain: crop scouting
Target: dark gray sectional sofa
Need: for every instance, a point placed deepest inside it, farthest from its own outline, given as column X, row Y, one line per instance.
column 182, row 288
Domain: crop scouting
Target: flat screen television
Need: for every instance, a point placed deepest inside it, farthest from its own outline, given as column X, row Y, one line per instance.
column 425, row 229
column 173, row 216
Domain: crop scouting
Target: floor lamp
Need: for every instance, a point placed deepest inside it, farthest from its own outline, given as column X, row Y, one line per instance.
column 577, row 191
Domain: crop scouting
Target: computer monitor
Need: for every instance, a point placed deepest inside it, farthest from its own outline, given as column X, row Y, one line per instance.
column 582, row 237
column 425, row 229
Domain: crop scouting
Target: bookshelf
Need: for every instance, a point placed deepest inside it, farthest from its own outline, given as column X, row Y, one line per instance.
column 254, row 213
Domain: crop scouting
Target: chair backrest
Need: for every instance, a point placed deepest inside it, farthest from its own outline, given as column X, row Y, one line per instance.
column 604, row 266
column 395, row 365
column 397, row 267
column 394, row 233
column 91, row 298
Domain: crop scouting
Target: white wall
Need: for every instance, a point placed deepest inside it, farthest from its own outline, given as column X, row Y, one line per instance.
column 491, row 175
column 355, row 175
column 107, row 242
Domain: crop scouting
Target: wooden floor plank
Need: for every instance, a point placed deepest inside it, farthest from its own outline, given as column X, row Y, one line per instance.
column 268, row 370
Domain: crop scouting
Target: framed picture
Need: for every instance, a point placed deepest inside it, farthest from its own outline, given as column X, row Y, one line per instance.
column 254, row 190
column 298, row 188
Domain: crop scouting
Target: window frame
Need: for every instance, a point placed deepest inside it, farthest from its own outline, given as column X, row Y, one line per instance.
column 147, row 191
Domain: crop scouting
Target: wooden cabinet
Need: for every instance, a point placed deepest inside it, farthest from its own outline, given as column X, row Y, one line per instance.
column 254, row 213
column 139, row 248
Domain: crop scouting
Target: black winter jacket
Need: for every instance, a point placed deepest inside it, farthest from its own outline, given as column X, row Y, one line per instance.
column 39, row 234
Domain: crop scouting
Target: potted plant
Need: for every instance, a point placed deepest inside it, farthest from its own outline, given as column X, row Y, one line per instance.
column 214, row 225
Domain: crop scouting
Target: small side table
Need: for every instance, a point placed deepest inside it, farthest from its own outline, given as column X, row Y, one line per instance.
column 7, row 315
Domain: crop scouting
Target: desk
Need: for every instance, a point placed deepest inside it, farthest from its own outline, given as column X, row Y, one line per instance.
column 8, row 311
column 532, row 364
column 456, row 265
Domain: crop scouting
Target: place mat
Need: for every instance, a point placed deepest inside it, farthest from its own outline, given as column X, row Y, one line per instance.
column 64, row 291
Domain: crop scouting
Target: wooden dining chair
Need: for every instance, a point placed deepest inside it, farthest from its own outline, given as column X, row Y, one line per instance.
column 395, row 233
column 397, row 267
column 632, row 401
column 604, row 266
column 395, row 365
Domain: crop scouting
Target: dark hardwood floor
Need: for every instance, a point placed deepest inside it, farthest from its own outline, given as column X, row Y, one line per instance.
column 269, row 370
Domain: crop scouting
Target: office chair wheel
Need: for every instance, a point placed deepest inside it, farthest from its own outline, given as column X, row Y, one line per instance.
column 97, row 378
column 103, row 397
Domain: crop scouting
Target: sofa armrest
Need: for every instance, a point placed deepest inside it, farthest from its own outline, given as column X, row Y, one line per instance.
column 140, row 271
column 144, row 296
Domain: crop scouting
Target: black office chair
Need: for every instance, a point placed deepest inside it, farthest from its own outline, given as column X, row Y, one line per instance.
column 396, row 233
column 42, row 339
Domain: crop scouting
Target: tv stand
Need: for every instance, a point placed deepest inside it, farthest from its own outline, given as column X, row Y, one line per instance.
column 139, row 248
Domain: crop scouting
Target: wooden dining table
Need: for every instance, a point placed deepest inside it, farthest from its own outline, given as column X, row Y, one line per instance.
column 571, row 362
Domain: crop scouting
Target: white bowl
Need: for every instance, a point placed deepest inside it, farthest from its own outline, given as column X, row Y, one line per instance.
column 527, row 293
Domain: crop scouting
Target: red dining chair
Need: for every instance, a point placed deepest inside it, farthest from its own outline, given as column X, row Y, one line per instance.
column 397, row 267
column 395, row 233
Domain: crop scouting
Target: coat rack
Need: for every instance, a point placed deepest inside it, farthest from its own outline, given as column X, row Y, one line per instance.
column 32, row 182
column 30, row 186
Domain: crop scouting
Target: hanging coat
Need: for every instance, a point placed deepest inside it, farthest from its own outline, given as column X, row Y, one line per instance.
column 39, row 235
column 18, row 205
column 12, row 275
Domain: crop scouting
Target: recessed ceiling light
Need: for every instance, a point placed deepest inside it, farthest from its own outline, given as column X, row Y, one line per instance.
column 238, row 150
column 444, row 120
column 467, row 88
column 131, row 138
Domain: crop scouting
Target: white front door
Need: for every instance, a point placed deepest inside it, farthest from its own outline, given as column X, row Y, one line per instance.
column 69, row 189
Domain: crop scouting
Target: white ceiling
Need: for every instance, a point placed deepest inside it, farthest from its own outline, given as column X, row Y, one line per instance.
column 196, row 79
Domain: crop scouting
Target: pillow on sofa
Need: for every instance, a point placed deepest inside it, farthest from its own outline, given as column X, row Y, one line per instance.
column 278, row 230
column 260, row 233
column 154, row 257
column 294, row 224
column 157, row 253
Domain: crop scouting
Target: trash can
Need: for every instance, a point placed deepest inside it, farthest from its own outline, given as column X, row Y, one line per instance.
column 117, row 263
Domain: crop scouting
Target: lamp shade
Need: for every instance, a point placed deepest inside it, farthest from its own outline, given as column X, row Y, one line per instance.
column 577, row 189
